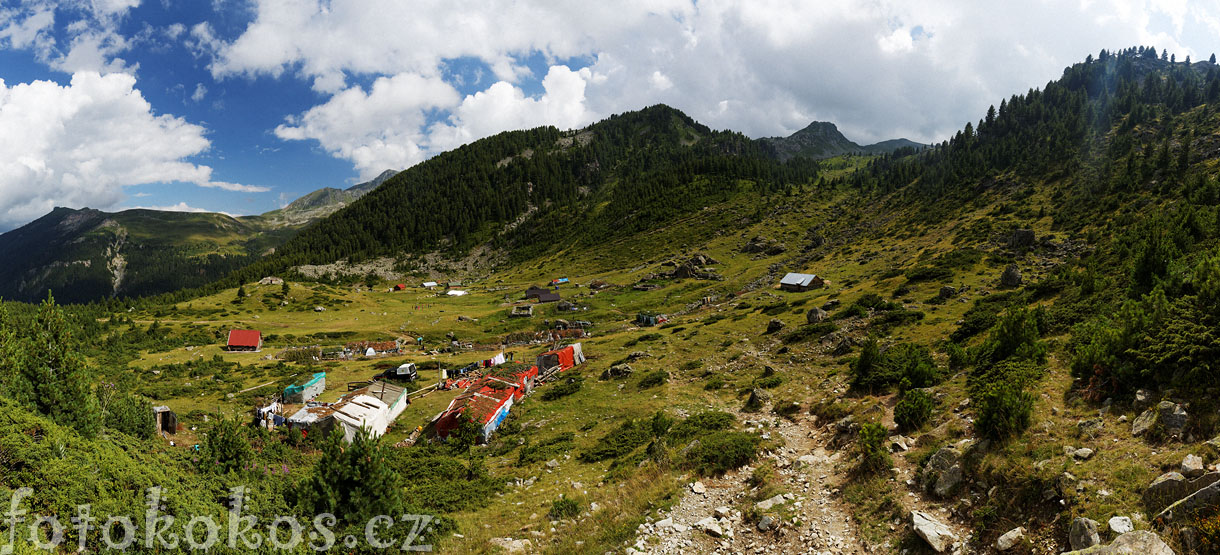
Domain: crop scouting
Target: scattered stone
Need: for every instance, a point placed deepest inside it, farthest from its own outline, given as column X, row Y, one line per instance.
column 698, row 488
column 899, row 444
column 1089, row 428
column 807, row 460
column 617, row 371
column 665, row 523
column 816, row 315
column 1084, row 454
column 775, row 325
column 766, row 504
column 939, row 536
column 552, row 464
column 1120, row 525
column 767, row 523
column 1083, row 533
column 1143, row 423
column 710, row 527
column 1011, row 276
column 1139, row 542
column 1172, row 418
column 1192, row 466
column 1010, row 539
column 510, row 545
column 723, row 512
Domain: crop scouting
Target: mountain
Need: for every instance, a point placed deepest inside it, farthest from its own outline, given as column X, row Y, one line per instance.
column 323, row 202
column 86, row 254
column 821, row 139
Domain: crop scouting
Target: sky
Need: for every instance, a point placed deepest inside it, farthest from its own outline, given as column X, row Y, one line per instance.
column 240, row 106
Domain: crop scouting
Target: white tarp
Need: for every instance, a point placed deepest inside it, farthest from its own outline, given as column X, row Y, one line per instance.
column 455, row 293
column 370, row 352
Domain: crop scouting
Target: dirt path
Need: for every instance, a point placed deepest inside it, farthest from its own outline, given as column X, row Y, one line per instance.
column 807, row 477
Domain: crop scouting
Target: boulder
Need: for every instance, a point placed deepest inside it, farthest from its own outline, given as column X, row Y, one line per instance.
column 1011, row 276
column 939, row 536
column 1120, row 525
column 1143, row 399
column 1172, row 418
column 510, row 545
column 1139, row 542
column 1083, row 533
column 775, row 325
column 1192, row 466
column 698, row 488
column 1143, row 423
column 1205, row 498
column 710, row 527
column 1010, row 539
column 1083, row 454
column 767, row 504
column 1090, row 427
column 767, row 523
column 947, row 292
column 617, row 371
column 1167, row 489
column 816, row 315
column 943, row 472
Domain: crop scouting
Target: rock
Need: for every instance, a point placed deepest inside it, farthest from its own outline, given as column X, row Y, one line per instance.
column 775, row 325
column 943, row 472
column 1021, row 238
column 510, row 545
column 1065, row 484
column 832, row 303
column 1207, row 497
column 710, row 527
column 552, row 464
column 617, row 371
column 1011, row 276
column 1172, row 418
column 938, row 536
column 1010, row 539
column 816, row 315
column 723, row 512
column 1083, row 533
column 807, row 460
column 1143, row 399
column 1120, row 525
column 1143, row 423
column 1139, row 542
column 1192, row 466
column 1167, row 489
column 698, row 488
column 947, row 292
column 1084, row 454
column 594, row 507
column 665, row 523
column 766, row 504
column 1089, row 428
column 766, row 523
column 758, row 397
column 899, row 444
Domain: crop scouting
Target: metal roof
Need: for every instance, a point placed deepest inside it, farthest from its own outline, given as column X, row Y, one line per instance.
column 793, row 278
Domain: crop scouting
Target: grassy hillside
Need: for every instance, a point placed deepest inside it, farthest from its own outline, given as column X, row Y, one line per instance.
column 1100, row 191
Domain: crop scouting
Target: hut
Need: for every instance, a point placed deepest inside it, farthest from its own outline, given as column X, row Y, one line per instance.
column 400, row 287
column 307, row 391
column 245, row 340
column 167, row 421
column 797, row 283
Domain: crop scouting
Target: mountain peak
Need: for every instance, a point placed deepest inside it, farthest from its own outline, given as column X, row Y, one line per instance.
column 822, row 139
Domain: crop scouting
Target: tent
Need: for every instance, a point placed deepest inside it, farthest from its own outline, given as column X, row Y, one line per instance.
column 455, row 293
column 559, row 281
column 370, row 352
column 306, row 391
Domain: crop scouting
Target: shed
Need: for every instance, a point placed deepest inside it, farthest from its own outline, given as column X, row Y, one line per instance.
column 400, row 287
column 245, row 340
column 374, row 406
column 167, row 421
column 800, row 282
column 563, row 358
column 306, row 391
column 430, row 284
column 650, row 319
column 549, row 298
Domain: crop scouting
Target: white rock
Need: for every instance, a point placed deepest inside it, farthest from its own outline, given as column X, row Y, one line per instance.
column 710, row 526
column 938, row 536
column 698, row 488
column 722, row 512
column 1010, row 539
column 1121, row 525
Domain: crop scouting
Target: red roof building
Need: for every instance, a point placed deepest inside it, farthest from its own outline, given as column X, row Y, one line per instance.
column 245, row 340
column 400, row 287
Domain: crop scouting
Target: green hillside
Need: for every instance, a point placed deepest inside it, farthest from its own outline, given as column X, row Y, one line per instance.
column 1019, row 330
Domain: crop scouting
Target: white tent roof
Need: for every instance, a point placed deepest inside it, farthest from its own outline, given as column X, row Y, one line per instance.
column 456, row 293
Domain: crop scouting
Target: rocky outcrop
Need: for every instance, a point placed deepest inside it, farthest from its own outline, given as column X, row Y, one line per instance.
column 1171, row 487
column 1011, row 276
column 942, row 474
column 775, row 325
column 617, row 371
column 1010, row 539
column 1207, row 497
column 939, row 536
column 816, row 316
column 947, row 292
column 1140, row 542
column 1167, row 418
column 762, row 245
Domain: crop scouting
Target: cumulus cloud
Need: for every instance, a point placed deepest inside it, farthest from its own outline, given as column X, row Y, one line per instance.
column 80, row 144
column 878, row 68
column 180, row 207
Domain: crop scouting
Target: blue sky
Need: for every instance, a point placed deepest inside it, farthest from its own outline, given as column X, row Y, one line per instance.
column 242, row 105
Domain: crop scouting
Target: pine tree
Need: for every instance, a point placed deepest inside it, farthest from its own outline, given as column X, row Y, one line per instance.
column 355, row 482
column 241, row 293
column 1212, row 59
column 285, row 289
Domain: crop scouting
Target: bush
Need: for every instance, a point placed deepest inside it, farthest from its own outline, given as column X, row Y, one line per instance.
column 1015, row 335
column 564, row 507
column 563, row 389
column 913, row 410
column 870, row 448
column 786, row 408
column 770, row 382
column 714, row 383
column 876, row 370
column 723, row 451
column 958, row 358
column 623, row 440
column 225, row 448
column 1004, row 411
column 653, row 379
column 532, row 453
column 701, row 423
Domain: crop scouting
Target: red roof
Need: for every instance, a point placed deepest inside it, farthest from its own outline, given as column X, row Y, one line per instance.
column 245, row 338
column 400, row 287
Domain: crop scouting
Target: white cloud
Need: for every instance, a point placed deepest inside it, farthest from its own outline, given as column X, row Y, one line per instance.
column 80, row 144
column 180, row 207
column 878, row 68
column 200, row 92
